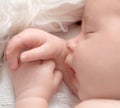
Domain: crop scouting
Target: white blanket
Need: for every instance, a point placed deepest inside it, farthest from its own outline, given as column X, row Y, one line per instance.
column 62, row 99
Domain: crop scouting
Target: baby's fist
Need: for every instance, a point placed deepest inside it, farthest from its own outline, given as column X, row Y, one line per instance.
column 36, row 79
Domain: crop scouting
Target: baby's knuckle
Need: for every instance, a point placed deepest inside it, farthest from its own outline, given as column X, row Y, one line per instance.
column 30, row 31
column 7, row 53
column 50, row 63
column 17, row 38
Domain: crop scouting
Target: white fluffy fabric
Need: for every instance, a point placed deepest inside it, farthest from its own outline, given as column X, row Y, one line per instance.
column 49, row 15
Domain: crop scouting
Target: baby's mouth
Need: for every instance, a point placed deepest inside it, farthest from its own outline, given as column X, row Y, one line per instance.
column 71, row 72
column 69, row 78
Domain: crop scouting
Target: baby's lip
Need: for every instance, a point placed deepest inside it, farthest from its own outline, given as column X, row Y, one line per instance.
column 68, row 63
column 70, row 72
column 71, row 79
column 71, row 69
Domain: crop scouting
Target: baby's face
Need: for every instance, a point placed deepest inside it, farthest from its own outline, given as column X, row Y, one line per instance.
column 94, row 54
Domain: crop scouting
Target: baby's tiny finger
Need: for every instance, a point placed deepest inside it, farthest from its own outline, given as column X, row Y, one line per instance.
column 58, row 77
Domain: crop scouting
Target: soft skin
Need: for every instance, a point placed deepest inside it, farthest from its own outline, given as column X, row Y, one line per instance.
column 92, row 57
column 35, row 82
column 40, row 45
column 95, row 53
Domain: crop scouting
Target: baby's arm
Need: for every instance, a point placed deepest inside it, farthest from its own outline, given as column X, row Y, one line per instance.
column 99, row 103
column 35, row 44
column 34, row 83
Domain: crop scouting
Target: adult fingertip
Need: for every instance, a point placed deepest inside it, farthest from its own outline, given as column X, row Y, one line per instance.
column 23, row 58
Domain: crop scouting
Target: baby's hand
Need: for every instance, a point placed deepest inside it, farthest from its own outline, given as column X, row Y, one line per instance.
column 35, row 80
column 33, row 44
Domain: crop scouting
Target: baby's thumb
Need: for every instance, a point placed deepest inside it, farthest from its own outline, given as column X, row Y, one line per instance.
column 58, row 78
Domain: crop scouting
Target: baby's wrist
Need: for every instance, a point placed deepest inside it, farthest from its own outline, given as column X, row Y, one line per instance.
column 31, row 102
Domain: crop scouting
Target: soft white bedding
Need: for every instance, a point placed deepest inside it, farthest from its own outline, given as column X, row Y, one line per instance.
column 16, row 15
column 62, row 99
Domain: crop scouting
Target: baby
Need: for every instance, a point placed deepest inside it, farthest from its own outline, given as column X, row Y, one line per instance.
column 90, row 62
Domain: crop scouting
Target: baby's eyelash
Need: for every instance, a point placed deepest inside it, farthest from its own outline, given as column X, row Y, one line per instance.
column 89, row 32
column 88, row 29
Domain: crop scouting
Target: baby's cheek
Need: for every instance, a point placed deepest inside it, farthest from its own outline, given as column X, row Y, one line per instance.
column 99, row 85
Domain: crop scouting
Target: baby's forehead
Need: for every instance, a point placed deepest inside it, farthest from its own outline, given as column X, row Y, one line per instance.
column 102, row 7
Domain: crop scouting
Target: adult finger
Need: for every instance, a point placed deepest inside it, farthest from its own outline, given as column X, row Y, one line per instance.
column 18, row 43
column 44, row 52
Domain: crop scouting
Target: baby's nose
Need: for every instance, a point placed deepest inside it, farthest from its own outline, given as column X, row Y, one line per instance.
column 71, row 44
